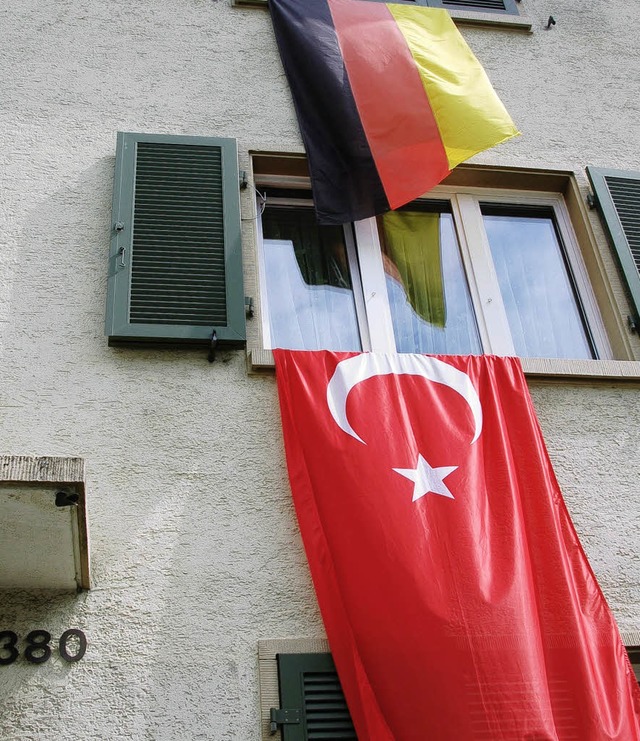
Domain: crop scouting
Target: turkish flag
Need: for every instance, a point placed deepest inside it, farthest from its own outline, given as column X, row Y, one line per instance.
column 457, row 600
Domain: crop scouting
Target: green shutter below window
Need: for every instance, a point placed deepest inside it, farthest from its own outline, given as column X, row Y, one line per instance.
column 618, row 198
column 309, row 683
column 175, row 267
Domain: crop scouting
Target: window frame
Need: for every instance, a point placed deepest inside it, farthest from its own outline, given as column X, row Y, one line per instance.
column 486, row 298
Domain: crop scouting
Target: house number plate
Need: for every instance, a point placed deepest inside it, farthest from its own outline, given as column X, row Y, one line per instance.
column 36, row 650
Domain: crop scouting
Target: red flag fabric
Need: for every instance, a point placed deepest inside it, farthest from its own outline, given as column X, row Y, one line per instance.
column 457, row 600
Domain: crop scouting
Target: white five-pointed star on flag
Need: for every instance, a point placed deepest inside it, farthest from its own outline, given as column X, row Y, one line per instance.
column 427, row 480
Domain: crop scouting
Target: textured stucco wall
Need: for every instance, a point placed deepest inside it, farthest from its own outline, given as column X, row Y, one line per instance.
column 196, row 554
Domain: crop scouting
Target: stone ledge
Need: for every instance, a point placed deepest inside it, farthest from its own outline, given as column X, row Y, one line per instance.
column 260, row 361
column 55, row 469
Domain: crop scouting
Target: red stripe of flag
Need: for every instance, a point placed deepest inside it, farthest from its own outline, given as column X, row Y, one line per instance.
column 394, row 108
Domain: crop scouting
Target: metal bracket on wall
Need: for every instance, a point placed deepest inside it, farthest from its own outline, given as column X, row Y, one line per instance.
column 212, row 347
column 67, row 498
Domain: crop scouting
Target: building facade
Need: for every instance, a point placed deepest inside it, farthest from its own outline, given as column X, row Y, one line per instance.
column 196, row 563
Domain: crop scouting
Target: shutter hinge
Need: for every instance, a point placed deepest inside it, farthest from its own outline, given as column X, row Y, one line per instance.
column 591, row 201
column 280, row 717
column 248, row 306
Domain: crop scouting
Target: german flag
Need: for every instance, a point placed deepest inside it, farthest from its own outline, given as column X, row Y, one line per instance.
column 389, row 99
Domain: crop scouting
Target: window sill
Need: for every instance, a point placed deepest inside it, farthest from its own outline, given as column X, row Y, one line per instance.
column 261, row 361
column 461, row 17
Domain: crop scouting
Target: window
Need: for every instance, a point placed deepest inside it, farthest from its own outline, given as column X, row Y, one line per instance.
column 618, row 198
column 465, row 271
column 175, row 266
column 506, row 13
column 484, row 6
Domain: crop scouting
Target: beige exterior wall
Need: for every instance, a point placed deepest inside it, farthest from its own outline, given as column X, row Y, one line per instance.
column 195, row 550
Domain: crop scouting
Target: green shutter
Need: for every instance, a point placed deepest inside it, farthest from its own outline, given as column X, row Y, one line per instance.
column 309, row 683
column 175, row 266
column 618, row 198
column 483, row 6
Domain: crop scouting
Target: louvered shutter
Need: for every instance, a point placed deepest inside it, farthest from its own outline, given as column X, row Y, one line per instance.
column 484, row 6
column 618, row 197
column 175, row 271
column 309, row 683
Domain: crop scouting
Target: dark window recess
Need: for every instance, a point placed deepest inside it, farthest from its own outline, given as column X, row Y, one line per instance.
column 175, row 270
column 484, row 6
column 311, row 699
column 481, row 6
column 618, row 197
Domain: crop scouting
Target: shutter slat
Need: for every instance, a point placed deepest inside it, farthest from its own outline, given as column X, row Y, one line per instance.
column 309, row 682
column 178, row 236
column 507, row 7
column 475, row 4
column 625, row 194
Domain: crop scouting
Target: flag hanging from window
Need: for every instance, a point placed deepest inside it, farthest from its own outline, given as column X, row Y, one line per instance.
column 412, row 256
column 389, row 100
column 456, row 597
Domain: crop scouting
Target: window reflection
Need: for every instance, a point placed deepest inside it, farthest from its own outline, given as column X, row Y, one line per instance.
column 543, row 312
column 309, row 291
column 428, row 293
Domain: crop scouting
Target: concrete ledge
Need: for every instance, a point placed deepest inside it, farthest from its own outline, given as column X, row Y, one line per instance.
column 57, row 470
column 46, row 542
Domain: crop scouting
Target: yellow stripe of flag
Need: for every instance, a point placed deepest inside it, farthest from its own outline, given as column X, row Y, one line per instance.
column 467, row 110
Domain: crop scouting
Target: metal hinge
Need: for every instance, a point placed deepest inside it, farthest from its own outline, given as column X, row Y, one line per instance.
column 280, row 717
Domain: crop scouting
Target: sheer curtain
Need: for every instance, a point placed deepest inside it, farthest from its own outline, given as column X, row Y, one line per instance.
column 428, row 293
column 309, row 291
column 544, row 316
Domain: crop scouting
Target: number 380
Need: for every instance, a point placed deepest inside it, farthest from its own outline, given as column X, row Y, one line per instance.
column 38, row 650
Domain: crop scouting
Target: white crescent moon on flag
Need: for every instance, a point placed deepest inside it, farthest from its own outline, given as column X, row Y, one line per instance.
column 351, row 372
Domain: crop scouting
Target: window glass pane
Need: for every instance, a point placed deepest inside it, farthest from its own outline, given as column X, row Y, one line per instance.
column 543, row 312
column 428, row 293
column 309, row 291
